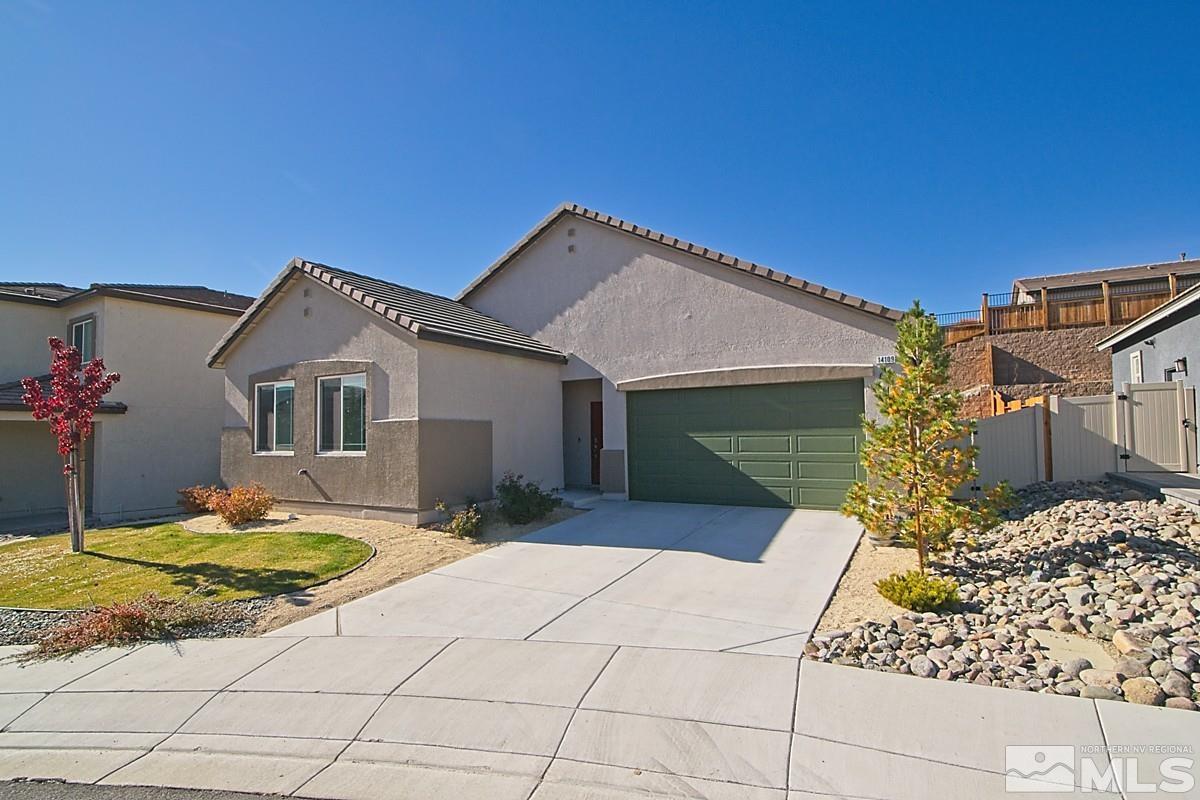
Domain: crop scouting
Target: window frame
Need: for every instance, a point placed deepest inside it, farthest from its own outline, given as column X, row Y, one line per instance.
column 1136, row 372
column 340, row 451
column 286, row 382
column 88, row 320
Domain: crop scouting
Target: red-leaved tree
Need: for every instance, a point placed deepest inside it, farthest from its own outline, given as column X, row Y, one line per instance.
column 75, row 393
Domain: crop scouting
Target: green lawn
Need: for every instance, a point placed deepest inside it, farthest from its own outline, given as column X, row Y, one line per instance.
column 124, row 563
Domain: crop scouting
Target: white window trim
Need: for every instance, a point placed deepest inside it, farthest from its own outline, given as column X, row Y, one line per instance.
column 339, row 452
column 1136, row 373
column 86, row 334
column 254, row 426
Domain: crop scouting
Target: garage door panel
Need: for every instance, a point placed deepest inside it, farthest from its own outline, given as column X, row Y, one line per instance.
column 715, row 444
column 829, row 499
column 767, row 469
column 829, row 443
column 833, row 470
column 782, row 444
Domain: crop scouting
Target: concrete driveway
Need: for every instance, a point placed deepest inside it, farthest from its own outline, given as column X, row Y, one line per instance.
column 751, row 580
column 641, row 650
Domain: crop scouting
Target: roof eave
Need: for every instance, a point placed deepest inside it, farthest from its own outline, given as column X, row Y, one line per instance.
column 428, row 334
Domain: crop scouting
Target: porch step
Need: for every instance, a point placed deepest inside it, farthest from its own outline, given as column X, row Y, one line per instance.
column 1174, row 487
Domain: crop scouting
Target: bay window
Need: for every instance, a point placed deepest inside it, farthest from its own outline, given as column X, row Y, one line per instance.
column 273, row 423
column 342, row 414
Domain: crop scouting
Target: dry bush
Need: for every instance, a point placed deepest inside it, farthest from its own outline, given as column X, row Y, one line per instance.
column 243, row 504
column 198, row 499
column 148, row 617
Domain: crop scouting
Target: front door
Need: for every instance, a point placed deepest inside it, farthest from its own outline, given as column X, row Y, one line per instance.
column 597, row 439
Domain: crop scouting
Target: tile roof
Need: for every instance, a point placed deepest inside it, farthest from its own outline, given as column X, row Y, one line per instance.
column 46, row 291
column 427, row 316
column 191, row 294
column 12, row 392
column 1113, row 274
column 197, row 297
column 724, row 259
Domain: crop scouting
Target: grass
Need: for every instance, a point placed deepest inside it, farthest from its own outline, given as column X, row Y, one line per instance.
column 122, row 564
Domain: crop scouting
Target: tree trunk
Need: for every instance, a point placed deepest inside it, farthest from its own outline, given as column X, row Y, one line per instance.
column 75, row 501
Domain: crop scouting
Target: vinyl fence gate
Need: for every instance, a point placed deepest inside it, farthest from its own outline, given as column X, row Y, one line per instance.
column 1147, row 427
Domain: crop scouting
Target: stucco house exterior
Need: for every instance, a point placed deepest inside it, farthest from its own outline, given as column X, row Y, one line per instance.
column 1163, row 345
column 160, row 427
column 594, row 353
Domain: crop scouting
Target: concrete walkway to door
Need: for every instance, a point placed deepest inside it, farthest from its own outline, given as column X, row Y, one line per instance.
column 751, row 580
column 638, row 651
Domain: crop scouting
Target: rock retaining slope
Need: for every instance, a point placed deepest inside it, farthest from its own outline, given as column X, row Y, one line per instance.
column 1092, row 560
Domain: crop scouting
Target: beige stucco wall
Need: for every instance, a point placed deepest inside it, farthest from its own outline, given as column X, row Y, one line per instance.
column 624, row 308
column 24, row 329
column 335, row 327
column 170, row 437
column 31, row 479
column 522, row 397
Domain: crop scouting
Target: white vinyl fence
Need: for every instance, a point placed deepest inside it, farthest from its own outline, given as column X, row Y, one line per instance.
column 1149, row 427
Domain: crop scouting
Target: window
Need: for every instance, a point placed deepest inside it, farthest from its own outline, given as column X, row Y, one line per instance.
column 1135, row 366
column 83, row 338
column 273, row 403
column 342, row 414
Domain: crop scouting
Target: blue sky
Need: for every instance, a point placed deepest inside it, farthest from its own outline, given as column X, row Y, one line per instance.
column 890, row 150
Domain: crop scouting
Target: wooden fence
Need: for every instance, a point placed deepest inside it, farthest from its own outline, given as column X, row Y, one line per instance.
column 1106, row 304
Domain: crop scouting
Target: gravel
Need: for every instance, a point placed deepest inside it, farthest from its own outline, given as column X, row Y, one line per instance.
column 1094, row 560
column 20, row 627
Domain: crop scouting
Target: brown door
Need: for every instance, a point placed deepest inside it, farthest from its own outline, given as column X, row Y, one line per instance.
column 597, row 440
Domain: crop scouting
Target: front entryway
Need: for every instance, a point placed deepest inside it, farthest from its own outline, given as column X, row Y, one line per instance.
column 787, row 444
column 583, row 432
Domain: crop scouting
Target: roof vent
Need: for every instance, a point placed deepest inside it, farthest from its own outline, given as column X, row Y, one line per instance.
column 1183, row 256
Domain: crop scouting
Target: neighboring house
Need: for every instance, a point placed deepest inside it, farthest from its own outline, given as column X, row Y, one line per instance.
column 1164, row 345
column 157, row 431
column 594, row 353
column 1164, row 277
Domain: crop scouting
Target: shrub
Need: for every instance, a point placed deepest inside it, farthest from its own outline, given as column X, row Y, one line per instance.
column 242, row 504
column 466, row 524
column 919, row 591
column 198, row 499
column 522, row 502
column 148, row 617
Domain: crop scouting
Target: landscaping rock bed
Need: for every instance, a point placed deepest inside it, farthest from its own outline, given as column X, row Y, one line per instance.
column 22, row 626
column 1091, row 560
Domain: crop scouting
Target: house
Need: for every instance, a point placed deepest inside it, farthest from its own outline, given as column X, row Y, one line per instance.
column 1164, row 277
column 594, row 353
column 160, row 427
column 1161, row 346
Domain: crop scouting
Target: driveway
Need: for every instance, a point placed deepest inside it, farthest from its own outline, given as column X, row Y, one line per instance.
column 752, row 580
column 641, row 650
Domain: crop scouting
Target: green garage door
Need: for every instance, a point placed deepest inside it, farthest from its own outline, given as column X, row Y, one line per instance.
column 787, row 444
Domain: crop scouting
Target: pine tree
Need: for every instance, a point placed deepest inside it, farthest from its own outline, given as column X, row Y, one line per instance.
column 917, row 456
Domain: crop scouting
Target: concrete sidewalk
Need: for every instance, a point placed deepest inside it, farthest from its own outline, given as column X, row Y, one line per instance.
column 429, row 718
